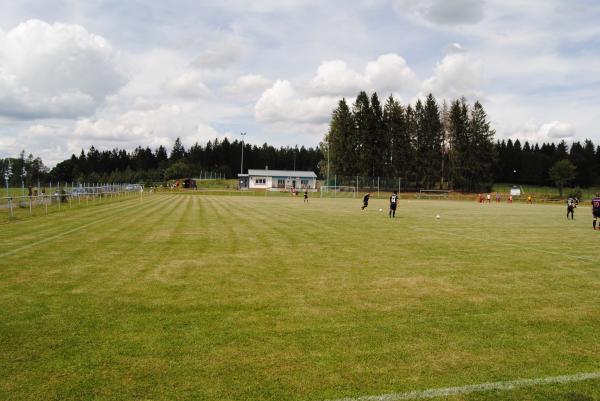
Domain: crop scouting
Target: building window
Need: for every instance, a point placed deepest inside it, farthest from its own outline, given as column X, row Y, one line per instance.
column 259, row 181
column 304, row 183
column 280, row 183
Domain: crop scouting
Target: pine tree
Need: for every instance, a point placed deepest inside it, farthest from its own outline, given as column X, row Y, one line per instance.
column 430, row 131
column 482, row 157
column 178, row 151
column 377, row 138
column 340, row 142
column 400, row 152
column 412, row 175
column 363, row 121
column 458, row 136
column 419, row 144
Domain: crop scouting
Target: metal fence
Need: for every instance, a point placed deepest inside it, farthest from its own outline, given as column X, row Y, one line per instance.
column 373, row 185
column 23, row 206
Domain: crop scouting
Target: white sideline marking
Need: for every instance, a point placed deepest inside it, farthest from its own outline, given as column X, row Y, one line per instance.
column 474, row 388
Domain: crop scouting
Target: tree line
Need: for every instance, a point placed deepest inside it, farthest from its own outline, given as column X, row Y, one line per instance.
column 217, row 158
column 429, row 146
column 531, row 163
column 433, row 146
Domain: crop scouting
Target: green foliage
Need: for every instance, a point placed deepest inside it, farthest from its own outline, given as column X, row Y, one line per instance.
column 411, row 142
column 400, row 156
column 179, row 169
column 429, row 143
column 562, row 173
column 340, row 142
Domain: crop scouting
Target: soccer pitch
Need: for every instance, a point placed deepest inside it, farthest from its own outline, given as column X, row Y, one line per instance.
column 196, row 297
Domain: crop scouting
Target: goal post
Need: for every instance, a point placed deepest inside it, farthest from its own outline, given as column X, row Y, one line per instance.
column 338, row 191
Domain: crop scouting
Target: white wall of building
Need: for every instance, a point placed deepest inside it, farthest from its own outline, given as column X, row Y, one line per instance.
column 264, row 182
column 257, row 182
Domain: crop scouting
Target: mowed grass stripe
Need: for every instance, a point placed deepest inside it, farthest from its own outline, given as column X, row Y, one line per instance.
column 91, row 291
column 52, row 235
column 66, row 256
column 60, row 223
column 63, row 218
column 108, row 217
column 79, row 257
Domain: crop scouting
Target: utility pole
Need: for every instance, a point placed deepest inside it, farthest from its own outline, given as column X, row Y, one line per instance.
column 243, row 134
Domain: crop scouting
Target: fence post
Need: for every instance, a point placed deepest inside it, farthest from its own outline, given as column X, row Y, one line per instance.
column 335, row 186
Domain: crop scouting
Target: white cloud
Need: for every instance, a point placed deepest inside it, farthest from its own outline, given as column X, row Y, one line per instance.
column 154, row 127
column 458, row 74
column 527, row 61
column 388, row 74
column 444, row 12
column 336, row 78
column 222, row 54
column 188, row 84
column 546, row 132
column 281, row 104
column 557, row 130
column 54, row 70
column 248, row 84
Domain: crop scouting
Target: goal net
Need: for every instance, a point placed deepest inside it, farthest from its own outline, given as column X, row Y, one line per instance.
column 432, row 194
column 338, row 191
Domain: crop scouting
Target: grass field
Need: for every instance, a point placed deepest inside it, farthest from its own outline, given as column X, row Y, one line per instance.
column 201, row 297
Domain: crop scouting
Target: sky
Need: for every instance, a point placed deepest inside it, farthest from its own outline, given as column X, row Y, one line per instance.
column 123, row 73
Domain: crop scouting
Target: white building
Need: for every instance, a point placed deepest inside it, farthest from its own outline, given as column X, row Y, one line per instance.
column 282, row 179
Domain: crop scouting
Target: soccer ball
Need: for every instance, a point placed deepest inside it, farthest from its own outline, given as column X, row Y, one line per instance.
column 437, row 217
column 381, row 210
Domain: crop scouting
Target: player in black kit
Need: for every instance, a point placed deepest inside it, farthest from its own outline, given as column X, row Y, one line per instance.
column 596, row 208
column 365, row 201
column 570, row 207
column 393, row 204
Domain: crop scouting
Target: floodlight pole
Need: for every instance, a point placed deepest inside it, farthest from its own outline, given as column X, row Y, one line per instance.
column 23, row 175
column 243, row 134
column 327, row 162
column 295, row 159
